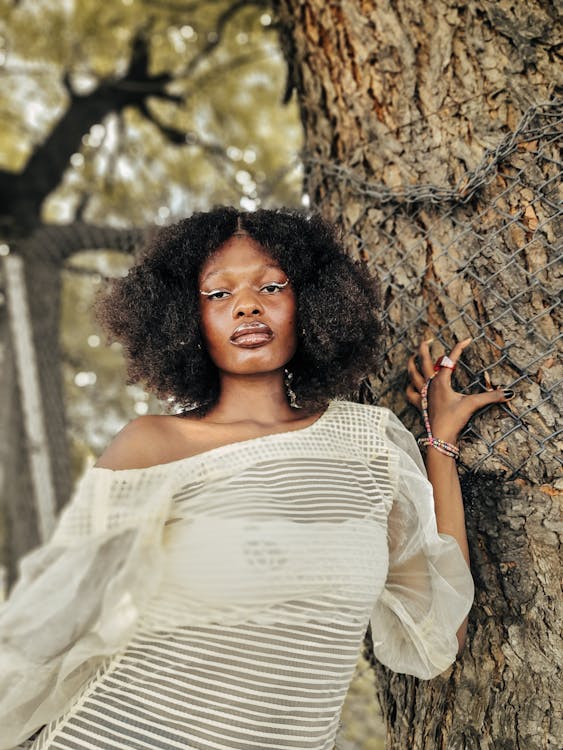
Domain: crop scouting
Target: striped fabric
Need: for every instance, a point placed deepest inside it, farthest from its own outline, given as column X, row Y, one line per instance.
column 274, row 554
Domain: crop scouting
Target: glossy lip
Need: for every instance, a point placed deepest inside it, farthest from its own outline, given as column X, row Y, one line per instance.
column 252, row 334
column 254, row 327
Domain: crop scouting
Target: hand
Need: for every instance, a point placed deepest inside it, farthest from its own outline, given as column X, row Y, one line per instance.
column 448, row 411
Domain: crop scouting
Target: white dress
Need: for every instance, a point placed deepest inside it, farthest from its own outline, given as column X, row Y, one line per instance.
column 220, row 601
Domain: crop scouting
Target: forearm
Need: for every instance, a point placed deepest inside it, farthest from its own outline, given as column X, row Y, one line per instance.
column 448, row 505
column 445, row 413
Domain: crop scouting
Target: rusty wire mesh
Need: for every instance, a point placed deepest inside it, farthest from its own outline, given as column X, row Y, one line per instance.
column 481, row 259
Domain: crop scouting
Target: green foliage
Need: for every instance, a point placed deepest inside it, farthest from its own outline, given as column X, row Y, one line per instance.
column 215, row 132
column 227, row 76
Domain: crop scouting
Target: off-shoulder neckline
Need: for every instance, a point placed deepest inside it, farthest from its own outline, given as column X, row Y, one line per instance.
column 218, row 448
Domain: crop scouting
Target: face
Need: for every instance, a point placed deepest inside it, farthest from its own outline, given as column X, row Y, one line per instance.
column 248, row 314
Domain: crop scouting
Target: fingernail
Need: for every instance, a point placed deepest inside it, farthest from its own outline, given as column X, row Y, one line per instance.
column 429, row 341
column 508, row 394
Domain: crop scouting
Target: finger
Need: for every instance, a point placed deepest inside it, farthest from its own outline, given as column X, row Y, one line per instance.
column 499, row 395
column 413, row 396
column 427, row 366
column 414, row 374
column 458, row 348
column 445, row 373
column 488, row 382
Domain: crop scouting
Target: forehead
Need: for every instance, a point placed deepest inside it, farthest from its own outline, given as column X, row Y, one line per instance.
column 237, row 255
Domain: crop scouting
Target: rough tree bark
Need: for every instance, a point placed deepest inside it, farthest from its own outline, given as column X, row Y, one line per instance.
column 412, row 94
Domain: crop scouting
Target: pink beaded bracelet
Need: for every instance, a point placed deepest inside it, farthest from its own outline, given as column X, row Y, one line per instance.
column 441, row 445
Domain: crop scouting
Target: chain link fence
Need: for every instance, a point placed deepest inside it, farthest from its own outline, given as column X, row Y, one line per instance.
column 481, row 259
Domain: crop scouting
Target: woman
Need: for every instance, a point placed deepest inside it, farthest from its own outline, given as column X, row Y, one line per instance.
column 211, row 582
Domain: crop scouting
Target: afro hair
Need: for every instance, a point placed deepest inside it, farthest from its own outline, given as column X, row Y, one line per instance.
column 153, row 311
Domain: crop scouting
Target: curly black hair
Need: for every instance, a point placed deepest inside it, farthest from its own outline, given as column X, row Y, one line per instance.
column 153, row 311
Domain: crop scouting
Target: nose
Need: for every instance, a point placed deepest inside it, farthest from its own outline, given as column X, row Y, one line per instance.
column 247, row 303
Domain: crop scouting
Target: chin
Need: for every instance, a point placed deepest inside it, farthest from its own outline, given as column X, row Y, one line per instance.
column 253, row 363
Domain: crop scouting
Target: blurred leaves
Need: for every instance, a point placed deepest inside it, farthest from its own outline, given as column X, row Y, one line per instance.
column 193, row 94
column 221, row 115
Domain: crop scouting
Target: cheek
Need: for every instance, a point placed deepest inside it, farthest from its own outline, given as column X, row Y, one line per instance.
column 288, row 320
column 208, row 325
column 292, row 312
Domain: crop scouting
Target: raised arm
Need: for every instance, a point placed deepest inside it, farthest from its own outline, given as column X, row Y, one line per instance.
column 448, row 413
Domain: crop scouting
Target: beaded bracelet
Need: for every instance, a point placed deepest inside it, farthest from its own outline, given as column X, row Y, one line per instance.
column 441, row 445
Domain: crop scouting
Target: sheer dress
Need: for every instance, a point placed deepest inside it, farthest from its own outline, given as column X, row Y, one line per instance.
column 220, row 601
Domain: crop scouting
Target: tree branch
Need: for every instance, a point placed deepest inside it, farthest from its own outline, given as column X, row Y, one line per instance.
column 222, row 21
column 175, row 7
column 23, row 194
column 184, row 137
column 57, row 242
column 219, row 70
column 172, row 134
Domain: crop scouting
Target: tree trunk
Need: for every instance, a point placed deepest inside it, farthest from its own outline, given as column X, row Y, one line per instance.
column 44, row 250
column 19, row 531
column 400, row 103
column 44, row 254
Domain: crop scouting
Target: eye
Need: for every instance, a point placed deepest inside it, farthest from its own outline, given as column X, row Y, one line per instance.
column 213, row 295
column 274, row 287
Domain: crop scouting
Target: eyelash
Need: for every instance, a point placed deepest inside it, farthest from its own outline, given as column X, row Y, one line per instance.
column 210, row 295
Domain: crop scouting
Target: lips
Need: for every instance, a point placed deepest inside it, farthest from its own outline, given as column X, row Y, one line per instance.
column 252, row 334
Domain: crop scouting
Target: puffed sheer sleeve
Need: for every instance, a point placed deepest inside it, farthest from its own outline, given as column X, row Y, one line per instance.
column 429, row 589
column 78, row 596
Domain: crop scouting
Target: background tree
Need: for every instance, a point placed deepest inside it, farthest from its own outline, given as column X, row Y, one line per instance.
column 115, row 116
column 422, row 140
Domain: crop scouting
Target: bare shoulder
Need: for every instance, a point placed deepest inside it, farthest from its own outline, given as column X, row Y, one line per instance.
column 137, row 445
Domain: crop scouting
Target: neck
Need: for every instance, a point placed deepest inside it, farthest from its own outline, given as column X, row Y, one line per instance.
column 259, row 398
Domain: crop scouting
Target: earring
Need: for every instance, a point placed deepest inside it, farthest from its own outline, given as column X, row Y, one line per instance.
column 288, row 377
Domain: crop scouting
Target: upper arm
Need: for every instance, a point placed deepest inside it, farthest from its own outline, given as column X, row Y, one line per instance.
column 132, row 447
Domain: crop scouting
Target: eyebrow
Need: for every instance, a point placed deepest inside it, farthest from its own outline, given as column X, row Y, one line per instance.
column 227, row 271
